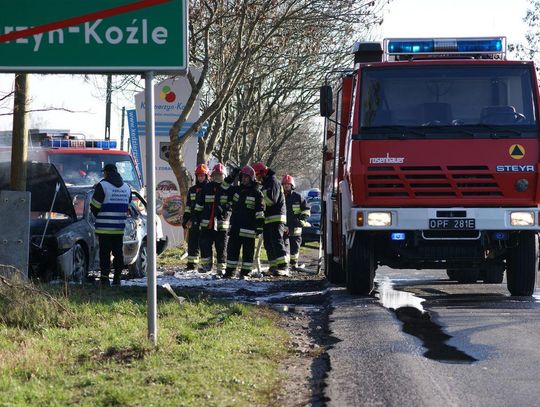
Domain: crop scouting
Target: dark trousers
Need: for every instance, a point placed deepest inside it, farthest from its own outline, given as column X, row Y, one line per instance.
column 247, row 244
column 293, row 243
column 193, row 247
column 209, row 238
column 111, row 244
column 274, row 244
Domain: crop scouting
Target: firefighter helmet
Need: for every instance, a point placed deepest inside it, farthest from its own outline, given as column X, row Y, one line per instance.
column 249, row 171
column 260, row 169
column 287, row 179
column 202, row 169
column 218, row 169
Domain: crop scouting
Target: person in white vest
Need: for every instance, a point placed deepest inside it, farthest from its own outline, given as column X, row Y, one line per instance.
column 110, row 207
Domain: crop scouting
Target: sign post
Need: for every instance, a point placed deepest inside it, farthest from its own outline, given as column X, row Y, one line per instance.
column 102, row 36
column 151, row 210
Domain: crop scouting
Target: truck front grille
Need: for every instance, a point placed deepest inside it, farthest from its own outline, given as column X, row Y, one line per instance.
column 432, row 182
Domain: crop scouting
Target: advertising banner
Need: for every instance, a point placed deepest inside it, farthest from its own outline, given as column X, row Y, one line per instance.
column 171, row 97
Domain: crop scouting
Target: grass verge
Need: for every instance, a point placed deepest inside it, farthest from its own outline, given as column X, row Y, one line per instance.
column 96, row 353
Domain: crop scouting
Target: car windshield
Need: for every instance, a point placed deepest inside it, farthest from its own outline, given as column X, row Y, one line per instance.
column 315, row 208
column 447, row 101
column 84, row 169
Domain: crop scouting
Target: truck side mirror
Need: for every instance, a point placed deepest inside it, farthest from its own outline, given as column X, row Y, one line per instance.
column 326, row 101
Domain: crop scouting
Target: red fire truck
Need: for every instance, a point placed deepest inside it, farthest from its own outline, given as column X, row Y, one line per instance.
column 431, row 162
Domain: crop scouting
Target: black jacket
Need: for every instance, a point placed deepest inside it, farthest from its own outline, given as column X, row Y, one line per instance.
column 297, row 211
column 247, row 216
column 191, row 203
column 274, row 199
column 213, row 206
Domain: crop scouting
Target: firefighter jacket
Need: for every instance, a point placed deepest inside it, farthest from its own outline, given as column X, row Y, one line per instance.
column 247, row 216
column 212, row 206
column 274, row 199
column 191, row 202
column 297, row 212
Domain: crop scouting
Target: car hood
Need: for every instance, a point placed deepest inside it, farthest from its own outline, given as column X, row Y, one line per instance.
column 41, row 181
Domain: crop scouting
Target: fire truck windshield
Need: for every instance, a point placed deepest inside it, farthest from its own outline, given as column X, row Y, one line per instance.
column 85, row 169
column 447, row 101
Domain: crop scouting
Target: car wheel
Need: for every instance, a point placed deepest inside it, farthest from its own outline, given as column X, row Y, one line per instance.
column 138, row 268
column 522, row 265
column 80, row 263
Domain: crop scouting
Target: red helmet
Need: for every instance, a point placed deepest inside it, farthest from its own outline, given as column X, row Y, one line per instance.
column 218, row 169
column 250, row 172
column 287, row 179
column 260, row 169
column 202, row 169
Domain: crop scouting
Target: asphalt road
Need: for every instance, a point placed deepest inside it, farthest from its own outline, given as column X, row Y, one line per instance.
column 422, row 340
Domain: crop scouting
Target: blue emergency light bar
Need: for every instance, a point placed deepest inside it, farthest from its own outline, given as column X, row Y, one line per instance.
column 494, row 47
column 59, row 143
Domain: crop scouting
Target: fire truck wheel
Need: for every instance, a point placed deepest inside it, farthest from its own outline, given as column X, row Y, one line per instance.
column 522, row 265
column 333, row 271
column 492, row 273
column 360, row 266
column 451, row 273
column 138, row 268
column 467, row 276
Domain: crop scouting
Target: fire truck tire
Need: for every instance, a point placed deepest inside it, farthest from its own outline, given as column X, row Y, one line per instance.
column 451, row 273
column 492, row 273
column 522, row 265
column 360, row 266
column 333, row 271
column 467, row 276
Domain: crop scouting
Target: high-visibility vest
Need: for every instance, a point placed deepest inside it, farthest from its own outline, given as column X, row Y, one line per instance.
column 111, row 218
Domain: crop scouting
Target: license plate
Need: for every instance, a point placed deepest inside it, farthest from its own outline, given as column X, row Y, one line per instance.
column 452, row 224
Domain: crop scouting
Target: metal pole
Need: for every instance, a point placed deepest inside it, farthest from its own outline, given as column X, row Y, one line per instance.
column 108, row 108
column 122, row 128
column 151, row 208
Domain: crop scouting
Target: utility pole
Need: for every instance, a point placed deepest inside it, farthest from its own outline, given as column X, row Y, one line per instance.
column 108, row 108
column 122, row 128
column 19, row 143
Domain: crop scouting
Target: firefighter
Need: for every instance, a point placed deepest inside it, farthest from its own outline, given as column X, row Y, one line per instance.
column 214, row 219
column 275, row 218
column 190, row 220
column 109, row 205
column 247, row 220
column 297, row 213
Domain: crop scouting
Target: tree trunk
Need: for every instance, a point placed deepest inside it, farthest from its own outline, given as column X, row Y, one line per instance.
column 19, row 150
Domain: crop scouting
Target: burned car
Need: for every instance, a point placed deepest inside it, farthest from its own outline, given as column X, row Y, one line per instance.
column 62, row 237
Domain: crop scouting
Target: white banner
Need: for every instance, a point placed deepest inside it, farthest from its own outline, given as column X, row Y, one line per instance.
column 171, row 97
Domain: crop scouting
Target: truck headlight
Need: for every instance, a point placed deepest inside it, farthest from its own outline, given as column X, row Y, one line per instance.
column 379, row 219
column 522, row 218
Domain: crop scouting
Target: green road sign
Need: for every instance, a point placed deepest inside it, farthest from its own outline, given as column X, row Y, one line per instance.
column 93, row 36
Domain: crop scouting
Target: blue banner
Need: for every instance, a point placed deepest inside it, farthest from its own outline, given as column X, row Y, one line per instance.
column 134, row 140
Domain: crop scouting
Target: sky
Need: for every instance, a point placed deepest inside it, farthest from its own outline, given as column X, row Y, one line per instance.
column 402, row 18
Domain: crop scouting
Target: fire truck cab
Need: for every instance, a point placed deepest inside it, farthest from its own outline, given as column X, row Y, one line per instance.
column 432, row 161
